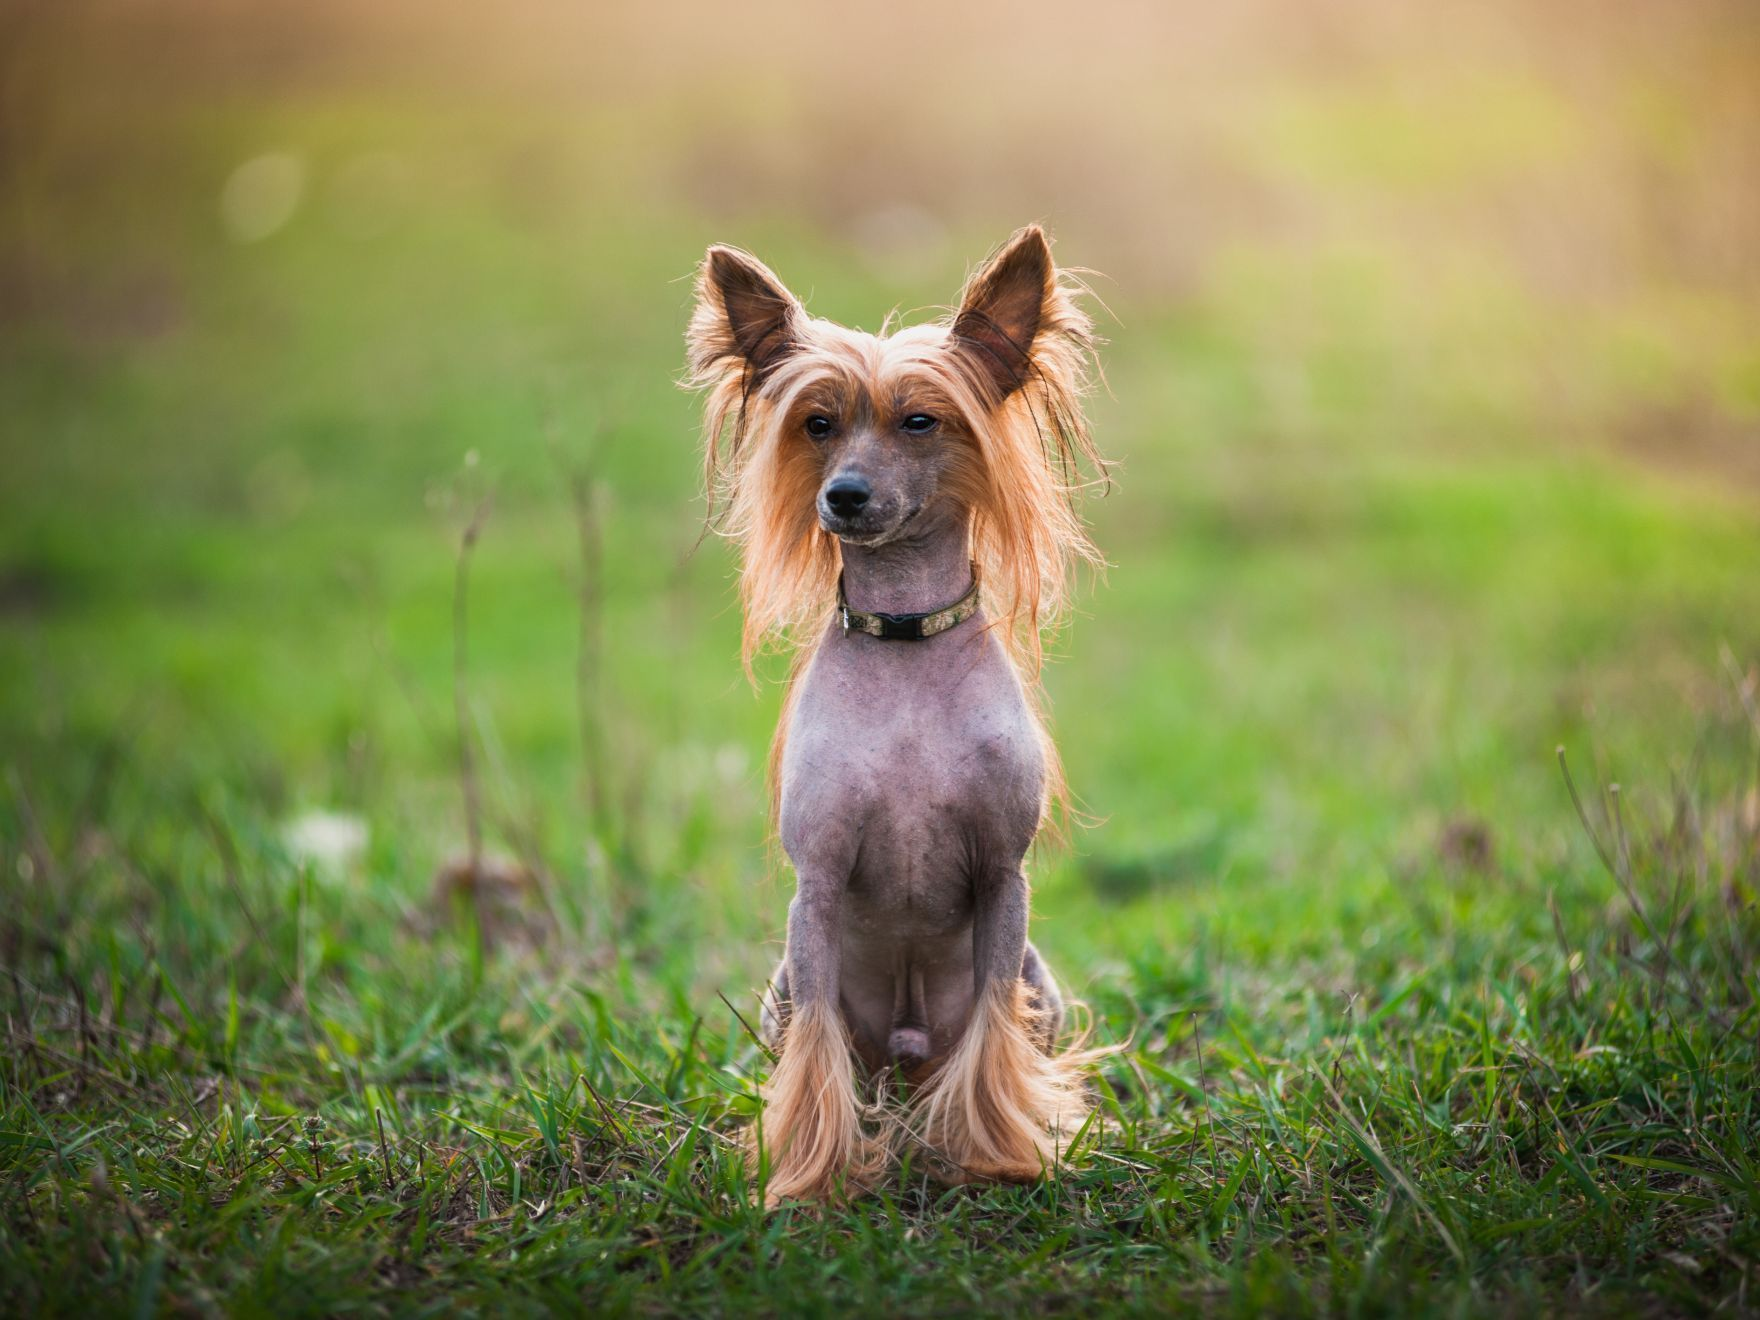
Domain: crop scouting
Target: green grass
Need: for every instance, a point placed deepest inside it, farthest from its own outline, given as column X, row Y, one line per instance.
column 1468, row 1083
column 1396, row 519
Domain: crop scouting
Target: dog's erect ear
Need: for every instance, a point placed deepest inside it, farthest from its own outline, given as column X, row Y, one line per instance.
column 1002, row 307
column 743, row 311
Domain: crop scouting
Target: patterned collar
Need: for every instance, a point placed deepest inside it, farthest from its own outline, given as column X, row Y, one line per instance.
column 907, row 627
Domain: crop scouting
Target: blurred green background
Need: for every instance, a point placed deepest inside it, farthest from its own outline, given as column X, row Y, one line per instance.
column 1433, row 377
column 1434, row 386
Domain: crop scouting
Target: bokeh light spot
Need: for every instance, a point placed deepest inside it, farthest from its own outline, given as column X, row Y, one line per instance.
column 261, row 195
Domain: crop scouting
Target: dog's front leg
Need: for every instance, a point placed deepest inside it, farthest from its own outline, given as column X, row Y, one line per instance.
column 811, row 1127
column 1001, row 1103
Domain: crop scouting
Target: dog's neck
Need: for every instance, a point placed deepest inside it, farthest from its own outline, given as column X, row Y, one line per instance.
column 926, row 569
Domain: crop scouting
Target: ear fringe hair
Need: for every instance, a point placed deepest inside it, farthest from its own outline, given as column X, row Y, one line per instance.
column 760, row 494
column 1039, row 459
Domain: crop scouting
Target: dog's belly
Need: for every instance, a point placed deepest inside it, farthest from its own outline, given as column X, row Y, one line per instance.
column 907, row 958
column 909, row 907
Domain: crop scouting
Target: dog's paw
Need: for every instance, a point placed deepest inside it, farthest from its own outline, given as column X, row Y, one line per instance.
column 981, row 1171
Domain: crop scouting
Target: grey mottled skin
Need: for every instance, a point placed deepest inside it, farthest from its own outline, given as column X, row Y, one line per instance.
column 912, row 782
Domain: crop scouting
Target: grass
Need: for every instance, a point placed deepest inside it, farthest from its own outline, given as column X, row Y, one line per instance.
column 236, row 1083
column 1410, row 1023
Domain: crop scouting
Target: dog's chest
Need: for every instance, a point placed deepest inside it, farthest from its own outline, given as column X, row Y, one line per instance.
column 914, row 764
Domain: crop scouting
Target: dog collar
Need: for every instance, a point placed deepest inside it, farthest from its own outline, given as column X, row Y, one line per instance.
column 907, row 627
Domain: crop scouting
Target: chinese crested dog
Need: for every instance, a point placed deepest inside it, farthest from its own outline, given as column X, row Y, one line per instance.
column 904, row 506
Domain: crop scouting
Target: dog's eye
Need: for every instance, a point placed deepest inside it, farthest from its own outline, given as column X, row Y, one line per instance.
column 819, row 426
column 919, row 423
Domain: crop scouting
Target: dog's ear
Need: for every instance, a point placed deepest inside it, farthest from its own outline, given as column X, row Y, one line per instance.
column 1002, row 308
column 742, row 311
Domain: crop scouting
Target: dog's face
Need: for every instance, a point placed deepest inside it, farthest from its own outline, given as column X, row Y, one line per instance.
column 880, row 432
column 882, row 441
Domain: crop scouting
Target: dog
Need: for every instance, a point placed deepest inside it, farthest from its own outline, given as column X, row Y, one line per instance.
column 905, row 506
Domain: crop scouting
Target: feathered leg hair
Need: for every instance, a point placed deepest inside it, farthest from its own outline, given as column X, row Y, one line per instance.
column 1001, row 1107
column 812, row 1128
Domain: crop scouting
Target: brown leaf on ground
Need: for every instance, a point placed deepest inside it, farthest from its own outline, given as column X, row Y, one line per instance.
column 1466, row 844
column 501, row 893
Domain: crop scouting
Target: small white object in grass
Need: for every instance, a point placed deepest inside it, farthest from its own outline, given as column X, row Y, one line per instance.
column 329, row 840
column 261, row 195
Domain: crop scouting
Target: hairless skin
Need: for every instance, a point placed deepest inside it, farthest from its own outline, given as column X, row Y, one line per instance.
column 912, row 787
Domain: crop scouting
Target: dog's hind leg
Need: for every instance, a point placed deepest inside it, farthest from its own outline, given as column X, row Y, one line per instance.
column 811, row 1129
column 1047, row 1003
column 1003, row 1103
column 775, row 1006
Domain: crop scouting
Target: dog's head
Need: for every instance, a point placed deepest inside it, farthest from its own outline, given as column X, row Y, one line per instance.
column 820, row 435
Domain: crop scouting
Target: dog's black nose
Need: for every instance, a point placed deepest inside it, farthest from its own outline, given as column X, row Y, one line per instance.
column 846, row 496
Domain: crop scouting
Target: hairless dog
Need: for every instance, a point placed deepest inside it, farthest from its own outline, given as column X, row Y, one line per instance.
column 904, row 506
